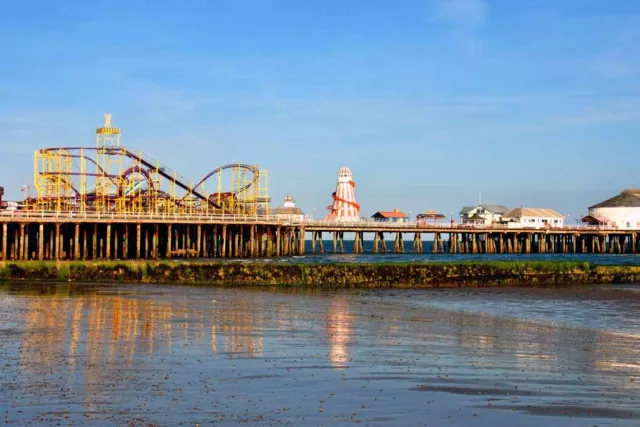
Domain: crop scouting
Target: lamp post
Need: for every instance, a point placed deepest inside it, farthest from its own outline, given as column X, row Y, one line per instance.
column 409, row 215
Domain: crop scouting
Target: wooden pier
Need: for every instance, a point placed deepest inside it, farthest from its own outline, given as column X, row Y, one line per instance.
column 70, row 236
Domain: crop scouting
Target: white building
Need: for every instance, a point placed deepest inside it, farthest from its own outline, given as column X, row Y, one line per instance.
column 482, row 214
column 532, row 218
column 289, row 211
column 621, row 211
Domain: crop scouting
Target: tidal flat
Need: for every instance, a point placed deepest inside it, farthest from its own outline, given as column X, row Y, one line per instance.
column 89, row 354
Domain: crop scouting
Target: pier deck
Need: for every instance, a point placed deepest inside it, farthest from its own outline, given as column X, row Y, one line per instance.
column 32, row 235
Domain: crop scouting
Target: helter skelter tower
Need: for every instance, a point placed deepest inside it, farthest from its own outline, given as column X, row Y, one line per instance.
column 344, row 207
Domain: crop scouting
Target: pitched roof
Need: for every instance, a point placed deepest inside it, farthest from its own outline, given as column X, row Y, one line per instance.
column 430, row 215
column 532, row 212
column 496, row 209
column 475, row 216
column 627, row 199
column 391, row 214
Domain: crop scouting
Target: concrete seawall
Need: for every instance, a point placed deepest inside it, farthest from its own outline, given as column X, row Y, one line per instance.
column 365, row 275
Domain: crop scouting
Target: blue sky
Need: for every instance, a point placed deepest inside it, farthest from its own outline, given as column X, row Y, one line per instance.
column 531, row 102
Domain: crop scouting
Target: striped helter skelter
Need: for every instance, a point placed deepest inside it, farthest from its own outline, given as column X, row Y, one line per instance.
column 344, row 207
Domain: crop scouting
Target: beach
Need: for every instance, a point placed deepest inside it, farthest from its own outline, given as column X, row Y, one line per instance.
column 169, row 355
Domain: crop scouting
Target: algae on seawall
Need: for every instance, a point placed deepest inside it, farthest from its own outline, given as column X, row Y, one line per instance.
column 338, row 275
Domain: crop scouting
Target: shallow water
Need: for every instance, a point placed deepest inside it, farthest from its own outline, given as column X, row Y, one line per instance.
column 169, row 355
column 428, row 256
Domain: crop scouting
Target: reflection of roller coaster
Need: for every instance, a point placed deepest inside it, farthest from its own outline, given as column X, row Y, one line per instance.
column 111, row 178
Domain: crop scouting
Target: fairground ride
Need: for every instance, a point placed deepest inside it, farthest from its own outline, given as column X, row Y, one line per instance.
column 110, row 178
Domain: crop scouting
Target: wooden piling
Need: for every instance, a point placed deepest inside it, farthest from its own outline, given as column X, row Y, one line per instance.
column 41, row 242
column 108, row 242
column 138, row 240
column 5, row 241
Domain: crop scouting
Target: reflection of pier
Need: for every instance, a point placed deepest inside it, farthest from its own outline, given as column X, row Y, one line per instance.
column 28, row 235
column 339, row 331
column 86, row 334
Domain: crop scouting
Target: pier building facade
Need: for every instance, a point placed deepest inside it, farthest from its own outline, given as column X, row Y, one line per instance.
column 621, row 211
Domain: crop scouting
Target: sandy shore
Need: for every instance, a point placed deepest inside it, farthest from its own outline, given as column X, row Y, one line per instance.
column 163, row 355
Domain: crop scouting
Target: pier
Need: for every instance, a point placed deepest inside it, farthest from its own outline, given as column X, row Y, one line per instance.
column 33, row 235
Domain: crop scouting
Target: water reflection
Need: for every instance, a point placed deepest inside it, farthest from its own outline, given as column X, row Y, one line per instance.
column 192, row 347
column 339, row 331
column 105, row 327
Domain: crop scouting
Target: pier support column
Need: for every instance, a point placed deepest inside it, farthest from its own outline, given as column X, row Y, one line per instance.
column 5, row 248
column 41, row 242
column 155, row 250
column 85, row 247
column 125, row 242
column 108, row 242
column 76, row 242
column 314, row 235
column 223, row 249
column 236, row 244
column 356, row 243
column 138, row 240
column 169, row 245
column 302, row 241
column 199, row 241
column 278, row 239
column 21, row 251
column 187, row 244
column 58, row 244
column 116, row 243
column 94, row 242
column 252, row 241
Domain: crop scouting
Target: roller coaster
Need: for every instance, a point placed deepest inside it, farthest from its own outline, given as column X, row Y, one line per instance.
column 109, row 178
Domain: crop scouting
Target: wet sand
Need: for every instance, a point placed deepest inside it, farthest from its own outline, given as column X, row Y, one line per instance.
column 166, row 355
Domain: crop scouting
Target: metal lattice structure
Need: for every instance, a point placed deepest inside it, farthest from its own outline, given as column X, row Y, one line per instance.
column 110, row 178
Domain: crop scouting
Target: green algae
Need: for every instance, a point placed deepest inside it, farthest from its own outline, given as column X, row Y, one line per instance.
column 334, row 275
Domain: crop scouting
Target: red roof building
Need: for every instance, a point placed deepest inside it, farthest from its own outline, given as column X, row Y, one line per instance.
column 390, row 216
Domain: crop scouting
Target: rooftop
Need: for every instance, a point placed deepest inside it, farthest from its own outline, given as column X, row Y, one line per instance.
column 390, row 214
column 629, row 198
column 431, row 215
column 496, row 209
column 532, row 212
